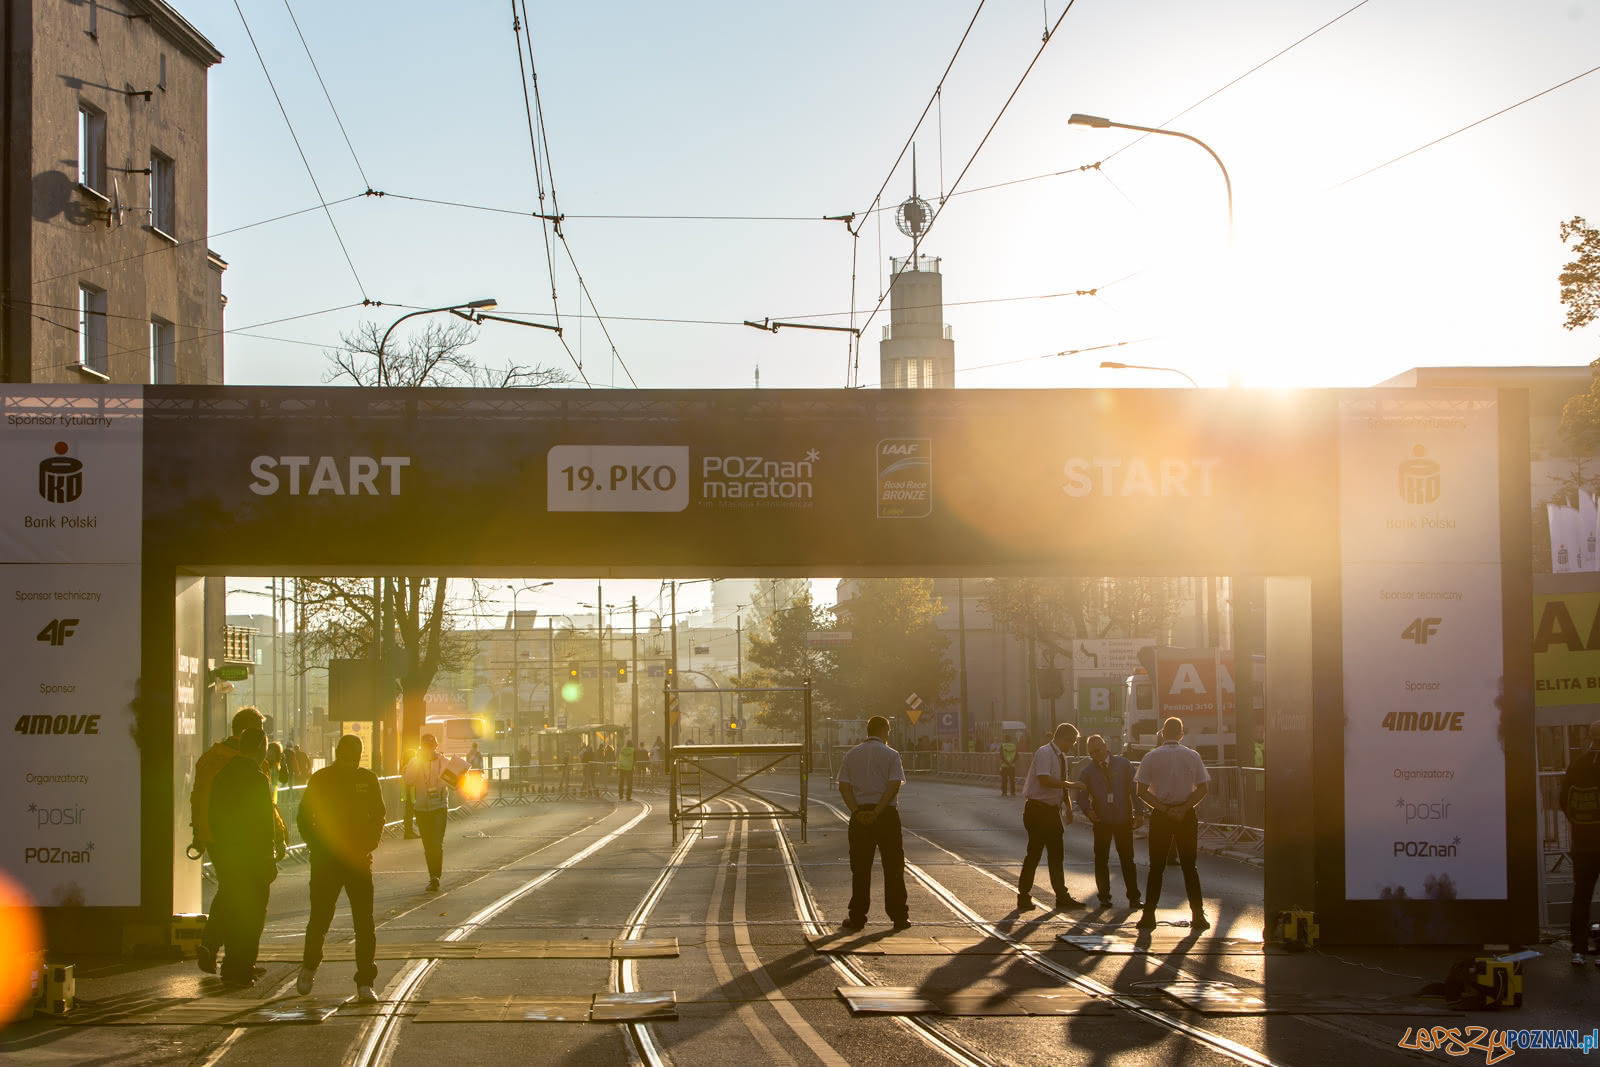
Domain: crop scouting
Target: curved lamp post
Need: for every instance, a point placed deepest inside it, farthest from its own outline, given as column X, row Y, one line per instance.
column 1112, row 365
column 486, row 304
column 1098, row 123
column 516, row 664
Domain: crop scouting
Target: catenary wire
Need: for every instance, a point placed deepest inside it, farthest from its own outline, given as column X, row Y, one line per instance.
column 917, row 242
column 169, row 247
column 538, row 176
column 327, row 95
column 1279, row 53
column 1464, row 129
column 296, row 138
column 1047, row 355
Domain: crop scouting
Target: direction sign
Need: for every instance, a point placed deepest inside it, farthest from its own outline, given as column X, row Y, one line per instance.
column 1116, row 656
column 828, row 638
column 231, row 672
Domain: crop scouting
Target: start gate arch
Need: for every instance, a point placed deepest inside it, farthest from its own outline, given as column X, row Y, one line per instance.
column 1383, row 505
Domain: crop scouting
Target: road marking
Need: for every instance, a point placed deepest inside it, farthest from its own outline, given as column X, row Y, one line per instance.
column 377, row 1046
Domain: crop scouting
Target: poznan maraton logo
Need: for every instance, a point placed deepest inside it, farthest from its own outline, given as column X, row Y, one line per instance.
column 60, row 476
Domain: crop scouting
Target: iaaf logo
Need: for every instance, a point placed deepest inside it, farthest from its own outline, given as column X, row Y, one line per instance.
column 48, row 855
column 1435, row 812
column 1427, row 850
column 61, row 476
column 55, row 816
column 905, row 478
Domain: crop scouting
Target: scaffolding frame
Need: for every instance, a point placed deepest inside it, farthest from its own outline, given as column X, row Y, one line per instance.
column 682, row 759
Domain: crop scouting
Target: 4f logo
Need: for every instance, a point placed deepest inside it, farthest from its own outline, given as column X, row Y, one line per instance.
column 1420, row 630
column 56, row 631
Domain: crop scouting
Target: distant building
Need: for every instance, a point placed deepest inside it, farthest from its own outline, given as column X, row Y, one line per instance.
column 917, row 350
column 104, row 271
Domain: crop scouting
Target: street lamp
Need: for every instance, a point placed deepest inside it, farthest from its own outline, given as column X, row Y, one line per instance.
column 516, row 664
column 1113, row 365
column 1098, row 123
column 486, row 304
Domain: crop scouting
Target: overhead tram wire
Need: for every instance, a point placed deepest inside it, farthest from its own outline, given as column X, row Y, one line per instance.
column 916, row 243
column 555, row 206
column 1464, row 129
column 327, row 95
column 538, row 176
column 169, row 247
column 1276, row 55
column 296, row 138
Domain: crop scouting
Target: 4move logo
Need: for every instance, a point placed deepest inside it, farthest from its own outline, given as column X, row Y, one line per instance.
column 60, row 476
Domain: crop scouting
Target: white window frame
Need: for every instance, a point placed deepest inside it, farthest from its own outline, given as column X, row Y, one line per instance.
column 93, row 354
column 92, row 149
column 163, row 352
column 163, row 194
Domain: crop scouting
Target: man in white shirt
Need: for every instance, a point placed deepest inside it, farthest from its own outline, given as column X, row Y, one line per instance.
column 1044, row 791
column 870, row 776
column 1173, row 780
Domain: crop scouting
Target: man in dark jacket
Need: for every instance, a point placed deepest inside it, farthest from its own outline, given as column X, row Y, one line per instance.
column 1580, row 803
column 1108, row 797
column 243, row 823
column 341, row 822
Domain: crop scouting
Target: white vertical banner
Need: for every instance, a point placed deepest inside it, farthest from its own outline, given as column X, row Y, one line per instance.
column 1563, row 550
column 1423, row 646
column 1587, row 542
column 71, row 478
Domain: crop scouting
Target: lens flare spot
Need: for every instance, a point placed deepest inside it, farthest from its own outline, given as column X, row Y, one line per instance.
column 572, row 692
column 473, row 787
column 23, row 940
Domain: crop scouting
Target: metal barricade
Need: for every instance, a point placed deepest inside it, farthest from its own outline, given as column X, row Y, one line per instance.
column 730, row 767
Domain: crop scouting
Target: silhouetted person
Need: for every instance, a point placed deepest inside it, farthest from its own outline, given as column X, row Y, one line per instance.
column 1045, row 793
column 1107, row 798
column 870, row 776
column 625, row 757
column 1172, row 781
column 206, row 769
column 341, row 822
column 1580, row 803
column 1008, row 768
column 243, row 843
column 426, row 776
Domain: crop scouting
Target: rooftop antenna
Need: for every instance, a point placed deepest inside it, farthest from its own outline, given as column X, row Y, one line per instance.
column 914, row 216
column 758, row 375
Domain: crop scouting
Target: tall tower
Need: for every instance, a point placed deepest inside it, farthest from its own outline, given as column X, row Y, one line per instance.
column 917, row 351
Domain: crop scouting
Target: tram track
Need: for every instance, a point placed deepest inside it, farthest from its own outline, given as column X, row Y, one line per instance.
column 376, row 1044
column 1223, row 1046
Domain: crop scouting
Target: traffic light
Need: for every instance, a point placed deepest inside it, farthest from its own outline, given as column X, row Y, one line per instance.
column 572, row 669
column 622, row 672
column 733, row 724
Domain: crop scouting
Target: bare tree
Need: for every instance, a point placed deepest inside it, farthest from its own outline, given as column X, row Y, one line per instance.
column 435, row 356
column 420, row 637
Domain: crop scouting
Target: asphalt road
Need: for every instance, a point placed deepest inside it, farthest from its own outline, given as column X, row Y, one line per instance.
column 750, row 989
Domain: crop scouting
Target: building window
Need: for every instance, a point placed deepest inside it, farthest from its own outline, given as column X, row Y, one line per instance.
column 92, row 329
column 92, row 148
column 161, row 75
column 163, row 211
column 163, row 352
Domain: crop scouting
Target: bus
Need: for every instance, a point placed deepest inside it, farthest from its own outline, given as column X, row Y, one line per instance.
column 1191, row 682
column 457, row 734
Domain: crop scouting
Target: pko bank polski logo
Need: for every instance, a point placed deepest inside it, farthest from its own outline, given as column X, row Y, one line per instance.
column 61, row 476
column 1419, row 478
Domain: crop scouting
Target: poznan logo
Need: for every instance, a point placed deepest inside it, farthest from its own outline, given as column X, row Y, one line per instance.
column 1419, row 478
column 61, row 476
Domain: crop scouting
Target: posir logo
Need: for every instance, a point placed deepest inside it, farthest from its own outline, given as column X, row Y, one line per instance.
column 354, row 476
column 45, row 854
column 1437, row 811
column 61, row 476
column 1419, row 478
column 1428, row 850
column 68, row 816
column 905, row 478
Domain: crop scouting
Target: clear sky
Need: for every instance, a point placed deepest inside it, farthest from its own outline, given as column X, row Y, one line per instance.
column 1448, row 256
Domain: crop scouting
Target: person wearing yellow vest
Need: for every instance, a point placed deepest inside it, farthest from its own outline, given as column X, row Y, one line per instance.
column 625, row 756
column 1008, row 767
